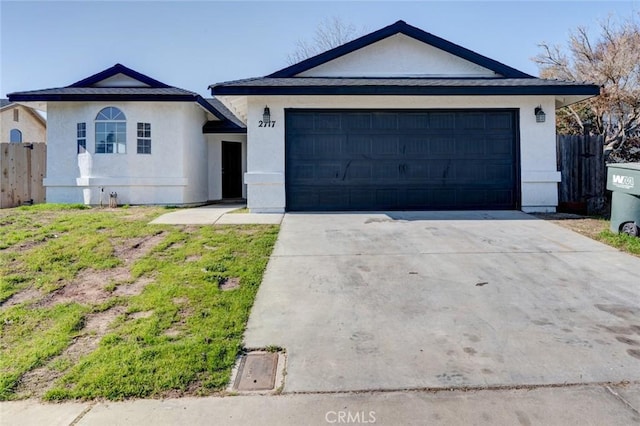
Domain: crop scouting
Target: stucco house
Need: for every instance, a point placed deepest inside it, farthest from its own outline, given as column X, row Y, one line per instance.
column 20, row 123
column 396, row 119
column 120, row 131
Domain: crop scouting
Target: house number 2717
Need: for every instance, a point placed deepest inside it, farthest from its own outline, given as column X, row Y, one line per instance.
column 271, row 123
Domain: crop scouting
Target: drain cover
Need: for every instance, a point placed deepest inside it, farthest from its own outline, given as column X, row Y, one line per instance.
column 257, row 371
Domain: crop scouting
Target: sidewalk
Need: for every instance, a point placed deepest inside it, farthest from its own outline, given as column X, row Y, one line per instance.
column 583, row 405
column 218, row 214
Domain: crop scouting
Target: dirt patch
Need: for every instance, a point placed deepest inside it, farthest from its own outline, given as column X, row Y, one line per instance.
column 134, row 288
column 141, row 314
column 35, row 383
column 177, row 327
column 26, row 295
column 90, row 287
column 230, row 284
column 132, row 249
column 193, row 258
column 587, row 226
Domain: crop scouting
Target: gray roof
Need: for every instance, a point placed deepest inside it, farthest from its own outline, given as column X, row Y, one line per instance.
column 407, row 81
column 228, row 115
column 102, row 91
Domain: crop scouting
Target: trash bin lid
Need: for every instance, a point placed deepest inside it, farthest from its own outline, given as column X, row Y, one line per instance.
column 631, row 166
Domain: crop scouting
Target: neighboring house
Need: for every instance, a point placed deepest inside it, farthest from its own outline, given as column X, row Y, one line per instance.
column 400, row 119
column 20, row 123
column 124, row 132
column 397, row 119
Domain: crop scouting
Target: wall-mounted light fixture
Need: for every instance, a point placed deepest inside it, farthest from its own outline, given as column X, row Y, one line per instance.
column 540, row 115
column 266, row 114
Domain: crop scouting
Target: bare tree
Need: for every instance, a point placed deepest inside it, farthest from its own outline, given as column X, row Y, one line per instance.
column 611, row 61
column 330, row 33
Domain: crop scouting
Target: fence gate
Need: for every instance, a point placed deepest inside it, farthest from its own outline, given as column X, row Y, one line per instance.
column 581, row 163
column 22, row 168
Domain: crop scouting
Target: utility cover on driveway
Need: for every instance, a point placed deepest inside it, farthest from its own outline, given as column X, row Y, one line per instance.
column 257, row 371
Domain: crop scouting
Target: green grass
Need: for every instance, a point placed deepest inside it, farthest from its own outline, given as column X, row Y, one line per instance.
column 622, row 242
column 46, row 246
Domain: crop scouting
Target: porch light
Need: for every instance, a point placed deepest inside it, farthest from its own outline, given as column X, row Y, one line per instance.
column 540, row 115
column 266, row 115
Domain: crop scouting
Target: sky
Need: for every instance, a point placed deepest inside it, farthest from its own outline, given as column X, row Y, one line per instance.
column 194, row 44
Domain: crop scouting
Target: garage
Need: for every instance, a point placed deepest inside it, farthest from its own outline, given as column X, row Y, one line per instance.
column 401, row 159
column 400, row 119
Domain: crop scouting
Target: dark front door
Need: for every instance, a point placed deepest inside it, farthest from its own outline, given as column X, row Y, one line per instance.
column 401, row 159
column 231, row 170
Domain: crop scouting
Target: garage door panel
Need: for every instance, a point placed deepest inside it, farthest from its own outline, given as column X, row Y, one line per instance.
column 360, row 171
column 500, row 173
column 301, row 146
column 499, row 146
column 413, row 121
column 386, row 171
column 499, row 121
column 356, row 121
column 440, row 121
column 402, row 159
column 384, row 121
column 328, row 121
column 302, row 171
column 328, row 146
column 328, row 171
column 416, row 146
column 470, row 147
column 358, row 146
column 384, row 145
column 473, row 121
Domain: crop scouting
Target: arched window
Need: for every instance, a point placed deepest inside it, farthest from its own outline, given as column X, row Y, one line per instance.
column 15, row 136
column 111, row 131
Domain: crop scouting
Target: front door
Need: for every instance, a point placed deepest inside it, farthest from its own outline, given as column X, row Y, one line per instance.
column 231, row 170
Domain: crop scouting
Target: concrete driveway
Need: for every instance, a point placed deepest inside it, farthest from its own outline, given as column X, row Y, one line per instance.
column 444, row 300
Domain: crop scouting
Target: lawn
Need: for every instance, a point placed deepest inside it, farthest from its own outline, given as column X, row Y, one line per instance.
column 97, row 303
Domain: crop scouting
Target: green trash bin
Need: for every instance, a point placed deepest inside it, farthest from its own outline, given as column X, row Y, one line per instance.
column 624, row 180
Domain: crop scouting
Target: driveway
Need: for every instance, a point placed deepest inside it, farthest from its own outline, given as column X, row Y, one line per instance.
column 446, row 299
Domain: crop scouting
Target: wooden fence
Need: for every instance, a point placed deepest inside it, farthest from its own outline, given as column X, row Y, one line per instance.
column 22, row 168
column 581, row 162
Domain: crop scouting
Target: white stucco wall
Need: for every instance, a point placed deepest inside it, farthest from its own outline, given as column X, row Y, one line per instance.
column 174, row 173
column 398, row 56
column 32, row 128
column 265, row 175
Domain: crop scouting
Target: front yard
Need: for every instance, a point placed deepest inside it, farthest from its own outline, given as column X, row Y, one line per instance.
column 96, row 303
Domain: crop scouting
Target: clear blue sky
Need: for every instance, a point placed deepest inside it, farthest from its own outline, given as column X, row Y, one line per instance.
column 194, row 44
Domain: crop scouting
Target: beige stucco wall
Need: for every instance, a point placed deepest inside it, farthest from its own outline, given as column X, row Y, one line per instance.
column 33, row 129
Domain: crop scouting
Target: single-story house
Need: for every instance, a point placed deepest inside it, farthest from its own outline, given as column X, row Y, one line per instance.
column 21, row 123
column 397, row 119
column 120, row 131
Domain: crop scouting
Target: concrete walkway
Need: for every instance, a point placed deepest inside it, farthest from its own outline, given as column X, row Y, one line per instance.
column 216, row 214
column 584, row 405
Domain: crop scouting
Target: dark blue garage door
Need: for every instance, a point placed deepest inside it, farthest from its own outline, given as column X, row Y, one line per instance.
column 401, row 159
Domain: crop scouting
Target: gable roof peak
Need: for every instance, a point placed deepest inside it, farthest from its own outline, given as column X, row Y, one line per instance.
column 401, row 27
column 120, row 69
